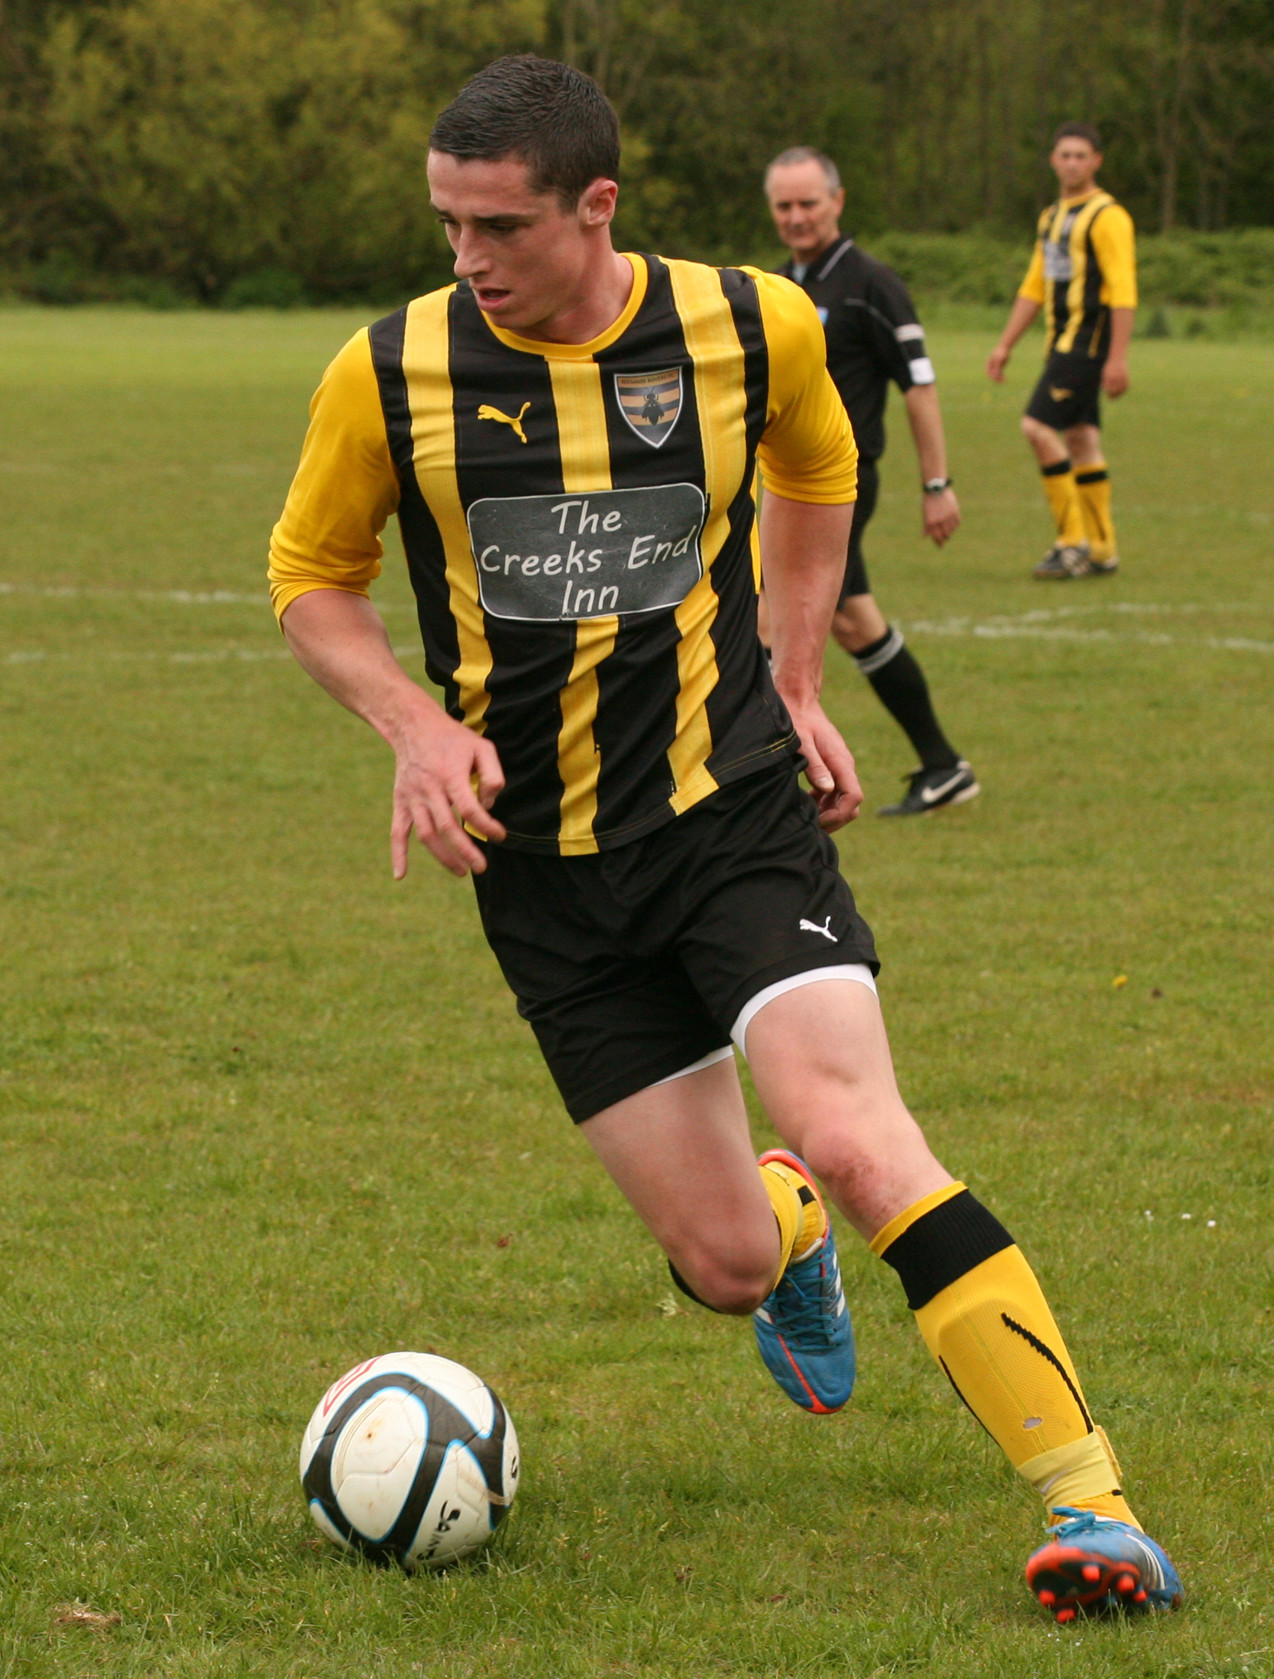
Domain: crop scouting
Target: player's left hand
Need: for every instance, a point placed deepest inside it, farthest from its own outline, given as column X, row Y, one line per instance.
column 1114, row 377
column 829, row 766
column 941, row 514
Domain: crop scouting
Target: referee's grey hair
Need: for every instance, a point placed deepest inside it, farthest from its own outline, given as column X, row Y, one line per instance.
column 807, row 154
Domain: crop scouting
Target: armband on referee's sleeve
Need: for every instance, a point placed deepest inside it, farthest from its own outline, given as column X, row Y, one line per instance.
column 911, row 338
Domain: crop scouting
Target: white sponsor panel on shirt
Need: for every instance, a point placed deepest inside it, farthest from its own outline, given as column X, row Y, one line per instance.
column 549, row 558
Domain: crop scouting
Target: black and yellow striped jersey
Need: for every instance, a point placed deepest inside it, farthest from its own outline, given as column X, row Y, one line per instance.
column 578, row 521
column 1084, row 265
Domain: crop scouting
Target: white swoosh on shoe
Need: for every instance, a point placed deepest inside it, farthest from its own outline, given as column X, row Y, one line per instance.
column 931, row 795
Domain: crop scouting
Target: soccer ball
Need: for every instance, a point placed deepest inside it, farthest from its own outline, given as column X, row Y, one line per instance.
column 411, row 1458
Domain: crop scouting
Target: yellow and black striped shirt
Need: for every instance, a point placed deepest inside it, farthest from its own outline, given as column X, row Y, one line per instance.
column 1084, row 265
column 578, row 521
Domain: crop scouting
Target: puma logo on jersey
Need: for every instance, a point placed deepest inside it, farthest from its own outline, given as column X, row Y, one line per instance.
column 487, row 412
column 825, row 929
column 1056, row 392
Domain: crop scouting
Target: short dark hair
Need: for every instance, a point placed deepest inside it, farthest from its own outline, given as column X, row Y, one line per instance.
column 1079, row 131
column 552, row 116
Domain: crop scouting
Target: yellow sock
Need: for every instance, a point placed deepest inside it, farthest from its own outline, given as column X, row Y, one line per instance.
column 1063, row 498
column 986, row 1321
column 799, row 1212
column 1092, row 486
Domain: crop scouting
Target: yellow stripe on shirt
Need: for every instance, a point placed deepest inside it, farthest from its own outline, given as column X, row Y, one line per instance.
column 581, row 430
column 721, row 398
column 426, row 370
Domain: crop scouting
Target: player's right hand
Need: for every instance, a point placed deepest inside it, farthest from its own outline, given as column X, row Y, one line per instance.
column 830, row 768
column 437, row 765
column 997, row 362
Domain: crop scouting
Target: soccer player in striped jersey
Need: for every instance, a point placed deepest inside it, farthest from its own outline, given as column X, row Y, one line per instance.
column 873, row 339
column 1083, row 274
column 569, row 437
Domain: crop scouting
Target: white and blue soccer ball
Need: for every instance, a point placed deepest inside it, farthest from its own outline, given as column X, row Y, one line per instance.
column 411, row 1458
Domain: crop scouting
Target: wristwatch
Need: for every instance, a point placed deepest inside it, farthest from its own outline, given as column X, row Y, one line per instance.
column 935, row 486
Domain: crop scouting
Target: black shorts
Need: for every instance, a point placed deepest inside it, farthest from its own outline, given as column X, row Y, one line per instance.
column 855, row 568
column 635, row 963
column 1069, row 392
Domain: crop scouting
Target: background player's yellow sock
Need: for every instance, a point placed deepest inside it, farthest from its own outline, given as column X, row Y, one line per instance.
column 1092, row 485
column 1063, row 499
column 985, row 1320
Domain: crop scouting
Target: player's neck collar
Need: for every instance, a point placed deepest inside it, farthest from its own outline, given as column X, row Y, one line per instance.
column 594, row 346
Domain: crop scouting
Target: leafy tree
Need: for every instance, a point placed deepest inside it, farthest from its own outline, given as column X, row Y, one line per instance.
column 211, row 144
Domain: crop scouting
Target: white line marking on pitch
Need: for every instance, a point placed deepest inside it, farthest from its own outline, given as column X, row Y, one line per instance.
column 1042, row 625
column 175, row 597
column 1039, row 624
column 248, row 655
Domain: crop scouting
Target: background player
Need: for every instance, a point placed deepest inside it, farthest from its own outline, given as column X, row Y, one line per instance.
column 619, row 771
column 873, row 336
column 1083, row 274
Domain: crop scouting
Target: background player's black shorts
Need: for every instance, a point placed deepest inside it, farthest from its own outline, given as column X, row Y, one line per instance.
column 633, row 964
column 1069, row 392
column 855, row 567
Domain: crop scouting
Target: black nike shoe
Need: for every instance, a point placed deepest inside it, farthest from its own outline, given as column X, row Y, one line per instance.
column 1072, row 560
column 931, row 789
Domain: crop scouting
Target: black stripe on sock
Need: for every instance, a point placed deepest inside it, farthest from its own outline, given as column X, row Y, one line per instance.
column 1051, row 1356
column 1057, row 469
column 955, row 1386
column 942, row 1245
column 1100, row 476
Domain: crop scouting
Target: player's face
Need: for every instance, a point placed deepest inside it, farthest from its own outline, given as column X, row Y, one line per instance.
column 527, row 259
column 805, row 209
column 1075, row 162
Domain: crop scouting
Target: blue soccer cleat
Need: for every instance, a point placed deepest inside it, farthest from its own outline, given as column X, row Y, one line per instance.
column 803, row 1329
column 1095, row 1563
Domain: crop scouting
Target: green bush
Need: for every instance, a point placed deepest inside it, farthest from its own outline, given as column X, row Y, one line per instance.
column 1232, row 270
column 264, row 288
column 60, row 279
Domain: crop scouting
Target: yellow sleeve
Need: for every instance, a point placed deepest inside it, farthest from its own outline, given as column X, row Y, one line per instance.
column 1115, row 244
column 807, row 451
column 328, row 536
column 1033, row 285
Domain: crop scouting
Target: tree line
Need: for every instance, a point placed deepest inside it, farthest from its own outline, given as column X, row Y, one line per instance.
column 204, row 145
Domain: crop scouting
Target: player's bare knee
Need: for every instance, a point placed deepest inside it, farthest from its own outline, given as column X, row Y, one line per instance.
column 848, row 634
column 874, row 1163
column 735, row 1284
column 1034, row 432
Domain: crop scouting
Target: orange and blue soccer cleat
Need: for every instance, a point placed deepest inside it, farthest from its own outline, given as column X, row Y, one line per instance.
column 803, row 1329
column 1094, row 1563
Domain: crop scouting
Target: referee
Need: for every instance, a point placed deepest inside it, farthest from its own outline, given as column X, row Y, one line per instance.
column 873, row 337
column 569, row 437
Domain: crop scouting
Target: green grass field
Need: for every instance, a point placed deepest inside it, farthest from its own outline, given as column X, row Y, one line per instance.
column 264, row 1113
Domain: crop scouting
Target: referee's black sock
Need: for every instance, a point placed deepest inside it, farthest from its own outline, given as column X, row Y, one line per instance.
column 900, row 686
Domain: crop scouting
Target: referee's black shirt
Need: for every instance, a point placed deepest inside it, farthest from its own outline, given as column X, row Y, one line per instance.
column 873, row 335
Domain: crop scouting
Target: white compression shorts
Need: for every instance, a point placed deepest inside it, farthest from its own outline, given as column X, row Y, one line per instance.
column 857, row 971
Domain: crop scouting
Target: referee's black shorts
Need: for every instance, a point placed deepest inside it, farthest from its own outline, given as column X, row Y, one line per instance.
column 855, row 566
column 1068, row 393
column 633, row 964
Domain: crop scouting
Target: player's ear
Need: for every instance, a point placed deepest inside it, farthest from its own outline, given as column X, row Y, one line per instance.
column 597, row 203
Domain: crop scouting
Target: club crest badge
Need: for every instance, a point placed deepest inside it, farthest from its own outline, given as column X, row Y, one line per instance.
column 650, row 402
